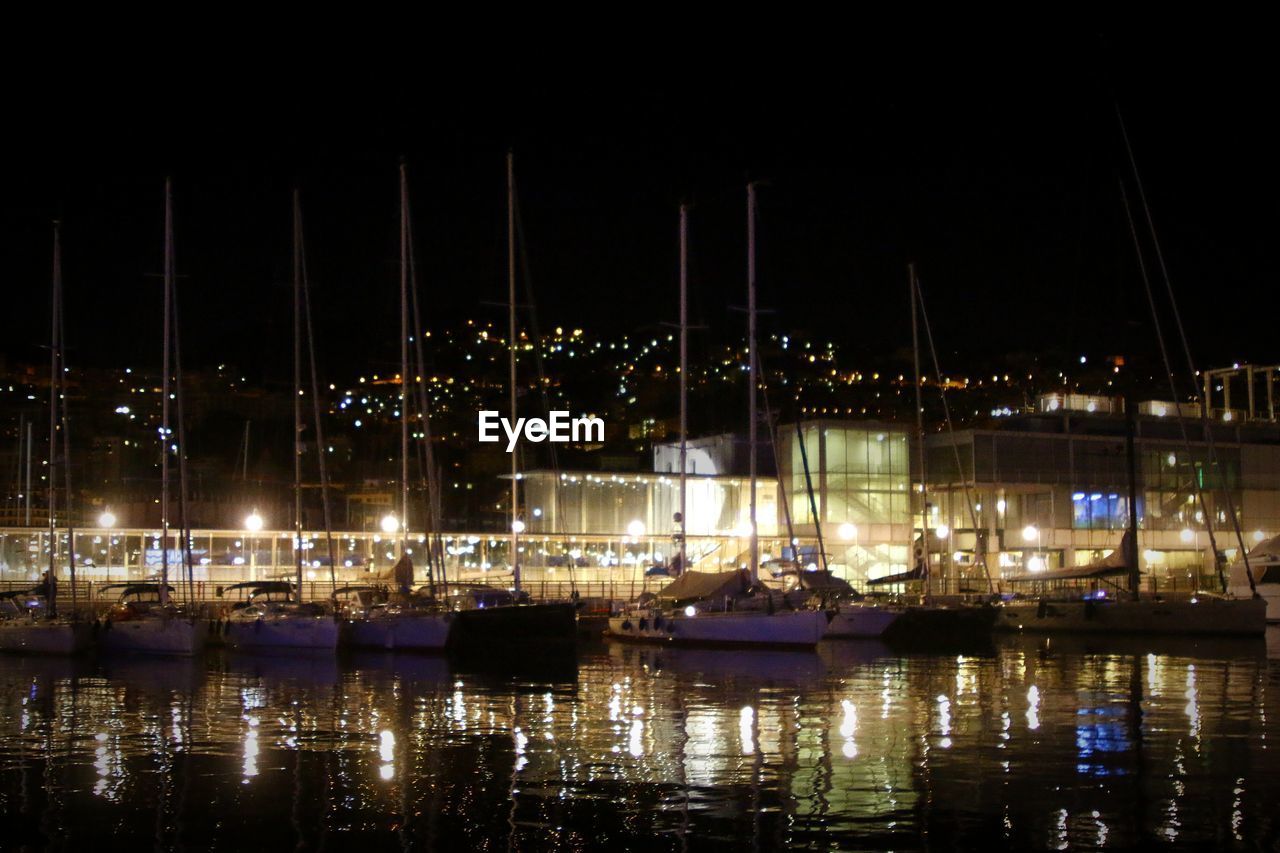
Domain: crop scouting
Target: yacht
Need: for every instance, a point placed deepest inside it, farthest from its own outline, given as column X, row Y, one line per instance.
column 273, row 617
column 718, row 608
column 145, row 621
column 1264, row 563
column 27, row 626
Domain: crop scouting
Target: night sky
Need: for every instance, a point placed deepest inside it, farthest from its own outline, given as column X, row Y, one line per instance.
column 993, row 164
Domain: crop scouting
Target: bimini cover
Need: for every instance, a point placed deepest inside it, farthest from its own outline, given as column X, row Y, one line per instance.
column 698, row 586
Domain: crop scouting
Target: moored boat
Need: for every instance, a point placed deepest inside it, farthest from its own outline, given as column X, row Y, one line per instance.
column 25, row 626
column 273, row 617
column 143, row 622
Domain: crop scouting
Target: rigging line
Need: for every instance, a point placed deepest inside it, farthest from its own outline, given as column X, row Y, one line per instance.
column 1205, row 426
column 426, row 449
column 321, row 447
column 926, row 574
column 773, row 445
column 536, row 332
column 946, row 411
column 1173, row 387
column 164, row 402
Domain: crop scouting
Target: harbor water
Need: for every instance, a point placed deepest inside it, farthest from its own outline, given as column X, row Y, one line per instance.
column 1028, row 743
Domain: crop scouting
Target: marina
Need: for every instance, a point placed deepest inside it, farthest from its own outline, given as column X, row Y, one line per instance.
column 873, row 452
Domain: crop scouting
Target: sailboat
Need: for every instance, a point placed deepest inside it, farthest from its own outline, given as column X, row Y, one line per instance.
column 1101, row 607
column 488, row 617
column 931, row 621
column 406, row 619
column 29, row 619
column 145, row 619
column 719, row 608
column 1264, row 564
column 275, row 616
column 1242, row 608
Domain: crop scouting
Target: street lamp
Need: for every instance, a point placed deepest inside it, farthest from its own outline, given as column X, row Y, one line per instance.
column 253, row 524
column 635, row 529
column 848, row 531
column 107, row 521
column 390, row 524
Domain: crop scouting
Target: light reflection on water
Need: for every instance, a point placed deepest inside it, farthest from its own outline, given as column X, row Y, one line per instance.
column 1021, row 746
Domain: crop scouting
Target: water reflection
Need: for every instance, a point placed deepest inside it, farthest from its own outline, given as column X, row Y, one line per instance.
column 1029, row 744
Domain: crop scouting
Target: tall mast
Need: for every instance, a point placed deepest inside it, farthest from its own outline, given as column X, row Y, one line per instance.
column 511, row 337
column 321, row 450
column 751, row 371
column 54, row 384
column 684, row 384
column 26, row 492
column 924, row 494
column 164, row 390
column 404, row 360
column 66, row 423
column 297, row 397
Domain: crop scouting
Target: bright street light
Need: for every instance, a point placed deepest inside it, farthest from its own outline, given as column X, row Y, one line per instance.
column 1030, row 533
column 943, row 531
column 848, row 531
column 106, row 520
column 253, row 523
column 390, row 524
column 635, row 529
column 517, row 526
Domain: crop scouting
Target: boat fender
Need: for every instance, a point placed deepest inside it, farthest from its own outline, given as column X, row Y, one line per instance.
column 644, row 624
column 1042, row 609
column 626, row 625
column 657, row 623
column 257, row 626
column 830, row 616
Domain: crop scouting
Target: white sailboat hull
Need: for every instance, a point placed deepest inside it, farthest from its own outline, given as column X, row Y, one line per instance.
column 44, row 637
column 857, row 620
column 283, row 631
column 155, row 635
column 735, row 628
column 404, row 631
column 1270, row 594
column 1203, row 615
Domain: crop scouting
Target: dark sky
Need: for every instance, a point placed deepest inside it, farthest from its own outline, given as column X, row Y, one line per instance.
column 991, row 162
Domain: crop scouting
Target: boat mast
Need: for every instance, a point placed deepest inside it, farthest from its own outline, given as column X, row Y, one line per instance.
column 321, row 447
column 684, row 385
column 751, row 372
column 297, row 398
column 54, row 383
column 1131, row 461
column 924, row 492
column 164, row 390
column 511, row 332
column 404, row 361
column 66, row 421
